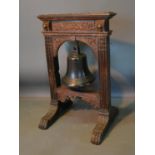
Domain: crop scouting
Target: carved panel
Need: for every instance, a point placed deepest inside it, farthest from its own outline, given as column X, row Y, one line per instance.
column 50, row 65
column 59, row 40
column 91, row 42
column 104, row 73
column 73, row 25
column 92, row 98
column 56, row 44
column 99, row 45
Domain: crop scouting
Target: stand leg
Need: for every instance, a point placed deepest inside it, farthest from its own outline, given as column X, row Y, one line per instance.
column 51, row 116
column 103, row 123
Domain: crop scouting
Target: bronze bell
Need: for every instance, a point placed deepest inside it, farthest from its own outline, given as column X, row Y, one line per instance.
column 78, row 74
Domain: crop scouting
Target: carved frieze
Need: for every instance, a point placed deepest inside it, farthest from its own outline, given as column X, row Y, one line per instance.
column 58, row 41
column 91, row 42
column 73, row 25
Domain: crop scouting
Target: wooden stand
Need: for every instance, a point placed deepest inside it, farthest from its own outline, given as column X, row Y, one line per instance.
column 93, row 30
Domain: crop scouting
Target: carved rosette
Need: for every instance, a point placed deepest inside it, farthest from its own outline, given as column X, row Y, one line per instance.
column 47, row 26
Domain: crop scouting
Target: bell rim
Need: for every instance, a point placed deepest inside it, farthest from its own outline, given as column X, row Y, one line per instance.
column 77, row 83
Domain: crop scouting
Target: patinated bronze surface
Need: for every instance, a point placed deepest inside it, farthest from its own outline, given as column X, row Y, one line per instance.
column 78, row 75
column 93, row 30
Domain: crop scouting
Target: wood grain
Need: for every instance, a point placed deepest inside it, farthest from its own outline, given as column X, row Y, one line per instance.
column 93, row 30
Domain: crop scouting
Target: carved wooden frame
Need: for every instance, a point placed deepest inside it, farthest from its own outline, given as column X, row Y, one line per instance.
column 93, row 30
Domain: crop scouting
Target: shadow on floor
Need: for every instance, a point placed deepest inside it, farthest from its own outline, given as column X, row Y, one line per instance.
column 122, row 114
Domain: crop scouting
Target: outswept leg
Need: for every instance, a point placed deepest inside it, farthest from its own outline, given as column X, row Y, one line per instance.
column 103, row 123
column 52, row 115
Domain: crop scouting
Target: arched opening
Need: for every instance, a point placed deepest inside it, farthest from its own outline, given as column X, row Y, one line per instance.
column 65, row 49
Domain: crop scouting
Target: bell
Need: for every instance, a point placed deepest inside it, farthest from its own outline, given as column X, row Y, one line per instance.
column 78, row 74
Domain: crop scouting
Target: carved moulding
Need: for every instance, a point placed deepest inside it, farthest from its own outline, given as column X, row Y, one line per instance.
column 91, row 42
column 57, row 41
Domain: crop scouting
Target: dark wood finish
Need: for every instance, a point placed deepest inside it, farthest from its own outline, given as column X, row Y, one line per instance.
column 52, row 115
column 93, row 30
column 102, row 125
column 77, row 16
column 92, row 98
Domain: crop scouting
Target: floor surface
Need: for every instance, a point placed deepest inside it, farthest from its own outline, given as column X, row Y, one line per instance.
column 71, row 134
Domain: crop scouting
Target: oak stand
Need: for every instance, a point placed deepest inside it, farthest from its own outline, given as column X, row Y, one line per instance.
column 93, row 30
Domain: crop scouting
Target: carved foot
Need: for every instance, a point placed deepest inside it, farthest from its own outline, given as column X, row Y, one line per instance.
column 101, row 126
column 45, row 120
column 51, row 116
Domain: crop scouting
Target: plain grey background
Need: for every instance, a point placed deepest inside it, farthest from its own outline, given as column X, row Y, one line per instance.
column 33, row 71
